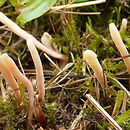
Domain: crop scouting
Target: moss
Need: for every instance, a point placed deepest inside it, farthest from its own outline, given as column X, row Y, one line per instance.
column 51, row 113
column 9, row 112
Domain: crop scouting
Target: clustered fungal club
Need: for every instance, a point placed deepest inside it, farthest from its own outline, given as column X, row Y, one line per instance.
column 11, row 72
column 15, row 72
column 91, row 58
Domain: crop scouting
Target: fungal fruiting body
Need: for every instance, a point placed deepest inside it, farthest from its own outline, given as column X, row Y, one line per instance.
column 120, row 45
column 91, row 58
column 46, row 40
column 20, row 77
column 23, row 34
column 38, row 67
column 123, row 25
column 10, row 79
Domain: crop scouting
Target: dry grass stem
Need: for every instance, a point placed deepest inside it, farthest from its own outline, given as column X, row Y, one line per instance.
column 3, row 91
column 68, row 6
column 120, row 85
column 71, row 83
column 78, row 13
column 77, row 119
column 64, row 77
column 51, row 61
column 103, row 112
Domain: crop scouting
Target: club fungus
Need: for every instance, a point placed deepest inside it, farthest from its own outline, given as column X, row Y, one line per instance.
column 23, row 34
column 39, row 69
column 91, row 58
column 10, row 79
column 46, row 40
column 120, row 45
column 19, row 76
column 123, row 25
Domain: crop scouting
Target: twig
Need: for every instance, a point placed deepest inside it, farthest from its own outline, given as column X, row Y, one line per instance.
column 52, row 62
column 103, row 112
column 68, row 6
column 120, row 85
column 78, row 13
column 74, row 123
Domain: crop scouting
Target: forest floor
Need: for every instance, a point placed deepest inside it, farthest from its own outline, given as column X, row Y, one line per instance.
column 68, row 85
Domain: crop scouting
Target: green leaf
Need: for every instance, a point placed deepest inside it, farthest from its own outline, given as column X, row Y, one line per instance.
column 34, row 10
column 124, row 117
column 2, row 2
column 119, row 99
column 19, row 3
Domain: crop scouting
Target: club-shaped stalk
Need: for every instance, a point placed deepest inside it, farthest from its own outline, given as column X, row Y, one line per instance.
column 46, row 39
column 23, row 34
column 123, row 25
column 19, row 76
column 11, row 80
column 91, row 58
column 119, row 44
column 38, row 67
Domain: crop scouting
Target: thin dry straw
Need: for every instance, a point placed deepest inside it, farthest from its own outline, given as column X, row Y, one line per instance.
column 120, row 85
column 103, row 112
column 68, row 6
column 78, row 13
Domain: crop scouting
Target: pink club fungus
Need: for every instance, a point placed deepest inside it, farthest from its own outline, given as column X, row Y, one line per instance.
column 19, row 76
column 10, row 79
column 46, row 40
column 39, row 69
column 23, row 34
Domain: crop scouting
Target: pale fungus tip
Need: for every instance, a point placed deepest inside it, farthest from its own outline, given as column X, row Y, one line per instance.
column 89, row 54
column 46, row 37
column 123, row 25
column 113, row 30
column 124, row 20
column 112, row 25
column 4, row 54
column 1, row 13
column 47, row 34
